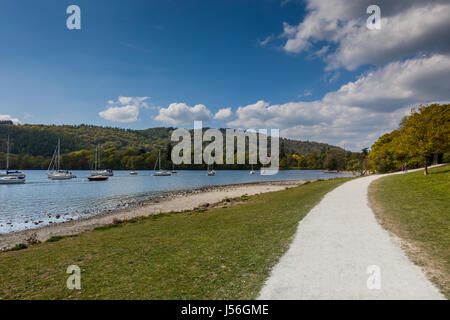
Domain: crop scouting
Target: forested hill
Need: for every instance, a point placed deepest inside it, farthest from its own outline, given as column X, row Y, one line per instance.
column 40, row 140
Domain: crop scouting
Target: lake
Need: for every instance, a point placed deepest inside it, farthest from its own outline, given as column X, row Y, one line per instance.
column 40, row 199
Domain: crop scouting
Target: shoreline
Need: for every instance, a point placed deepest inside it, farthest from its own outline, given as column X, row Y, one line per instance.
column 172, row 201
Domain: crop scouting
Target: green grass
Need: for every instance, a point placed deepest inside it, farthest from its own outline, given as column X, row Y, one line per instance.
column 416, row 208
column 221, row 253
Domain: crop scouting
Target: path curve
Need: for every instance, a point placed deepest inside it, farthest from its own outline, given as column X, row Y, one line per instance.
column 333, row 247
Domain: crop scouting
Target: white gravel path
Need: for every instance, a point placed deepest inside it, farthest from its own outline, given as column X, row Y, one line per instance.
column 333, row 247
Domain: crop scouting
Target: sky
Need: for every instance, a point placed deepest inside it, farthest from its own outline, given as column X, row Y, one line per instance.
column 311, row 68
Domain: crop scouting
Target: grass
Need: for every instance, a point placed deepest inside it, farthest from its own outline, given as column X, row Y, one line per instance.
column 219, row 253
column 416, row 208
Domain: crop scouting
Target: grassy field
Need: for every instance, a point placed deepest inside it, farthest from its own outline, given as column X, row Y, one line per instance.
column 416, row 208
column 220, row 253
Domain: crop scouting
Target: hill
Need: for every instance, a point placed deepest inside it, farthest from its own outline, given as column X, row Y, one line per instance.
column 32, row 146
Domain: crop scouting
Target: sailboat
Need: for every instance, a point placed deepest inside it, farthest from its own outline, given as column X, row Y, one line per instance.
column 160, row 172
column 55, row 166
column 132, row 172
column 99, row 172
column 11, row 177
column 252, row 171
column 97, row 175
column 173, row 168
column 210, row 171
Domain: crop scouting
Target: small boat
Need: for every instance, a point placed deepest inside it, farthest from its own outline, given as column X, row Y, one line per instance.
column 61, row 175
column 132, row 172
column 160, row 173
column 210, row 172
column 252, row 171
column 105, row 172
column 11, row 177
column 12, row 180
column 173, row 169
column 55, row 166
column 14, row 173
column 95, row 176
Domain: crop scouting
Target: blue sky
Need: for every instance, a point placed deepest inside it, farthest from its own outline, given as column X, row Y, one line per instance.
column 214, row 55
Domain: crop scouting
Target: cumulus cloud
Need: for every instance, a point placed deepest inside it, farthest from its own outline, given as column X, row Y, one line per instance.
column 408, row 27
column 224, row 114
column 5, row 117
column 180, row 113
column 398, row 84
column 125, row 109
column 360, row 111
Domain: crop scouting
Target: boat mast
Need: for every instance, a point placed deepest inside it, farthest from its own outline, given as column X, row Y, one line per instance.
column 98, row 157
column 7, row 155
column 95, row 158
column 58, row 161
column 159, row 157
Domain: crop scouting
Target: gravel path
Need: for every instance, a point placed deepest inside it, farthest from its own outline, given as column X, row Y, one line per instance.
column 333, row 248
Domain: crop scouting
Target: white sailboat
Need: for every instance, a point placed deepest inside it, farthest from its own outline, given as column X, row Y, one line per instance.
column 210, row 171
column 104, row 172
column 54, row 171
column 11, row 177
column 252, row 171
column 97, row 175
column 133, row 172
column 160, row 173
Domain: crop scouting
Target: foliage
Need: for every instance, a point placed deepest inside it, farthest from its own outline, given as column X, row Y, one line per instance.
column 33, row 145
column 422, row 138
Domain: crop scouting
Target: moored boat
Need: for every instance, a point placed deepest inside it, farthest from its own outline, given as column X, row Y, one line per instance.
column 96, row 175
column 54, row 171
column 12, row 180
column 97, row 178
column 20, row 176
column 160, row 173
column 210, row 171
column 105, row 172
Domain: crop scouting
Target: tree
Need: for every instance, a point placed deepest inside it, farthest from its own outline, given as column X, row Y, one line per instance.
column 426, row 132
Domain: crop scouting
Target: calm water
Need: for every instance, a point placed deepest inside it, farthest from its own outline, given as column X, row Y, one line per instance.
column 40, row 199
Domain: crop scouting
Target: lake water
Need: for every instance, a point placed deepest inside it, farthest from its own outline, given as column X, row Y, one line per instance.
column 40, row 199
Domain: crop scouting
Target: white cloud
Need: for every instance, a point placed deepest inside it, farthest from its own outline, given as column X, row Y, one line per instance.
column 4, row 117
column 125, row 109
column 408, row 27
column 125, row 100
column 360, row 111
column 398, row 84
column 224, row 114
column 180, row 113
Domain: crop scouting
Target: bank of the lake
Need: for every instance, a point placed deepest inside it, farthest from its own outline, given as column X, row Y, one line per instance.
column 164, row 202
column 40, row 202
column 219, row 253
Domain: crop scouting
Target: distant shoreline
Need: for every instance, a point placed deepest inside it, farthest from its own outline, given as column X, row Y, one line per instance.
column 172, row 201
